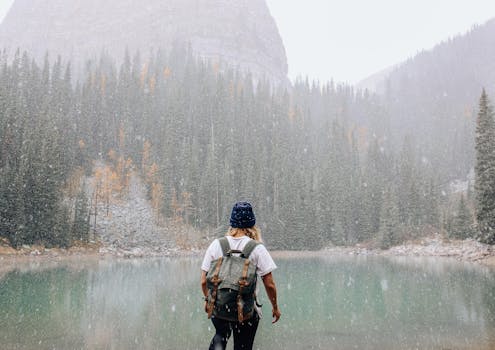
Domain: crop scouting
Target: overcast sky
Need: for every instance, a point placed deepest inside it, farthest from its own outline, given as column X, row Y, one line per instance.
column 349, row 40
column 352, row 39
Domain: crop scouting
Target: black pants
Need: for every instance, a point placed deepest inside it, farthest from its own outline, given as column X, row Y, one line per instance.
column 243, row 333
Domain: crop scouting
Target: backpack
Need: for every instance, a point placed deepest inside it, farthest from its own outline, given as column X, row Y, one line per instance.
column 231, row 283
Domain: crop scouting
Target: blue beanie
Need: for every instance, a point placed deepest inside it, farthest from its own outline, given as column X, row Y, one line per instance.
column 242, row 215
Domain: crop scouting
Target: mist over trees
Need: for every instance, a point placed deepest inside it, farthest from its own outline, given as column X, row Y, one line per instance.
column 485, row 170
column 434, row 94
column 316, row 160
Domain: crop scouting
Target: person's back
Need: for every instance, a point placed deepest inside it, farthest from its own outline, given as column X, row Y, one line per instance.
column 241, row 233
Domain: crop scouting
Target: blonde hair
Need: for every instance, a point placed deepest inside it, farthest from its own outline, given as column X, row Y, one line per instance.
column 252, row 232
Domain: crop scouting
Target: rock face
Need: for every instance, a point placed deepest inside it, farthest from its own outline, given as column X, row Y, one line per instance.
column 240, row 33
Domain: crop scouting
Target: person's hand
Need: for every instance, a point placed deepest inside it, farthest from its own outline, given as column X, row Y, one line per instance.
column 206, row 306
column 276, row 314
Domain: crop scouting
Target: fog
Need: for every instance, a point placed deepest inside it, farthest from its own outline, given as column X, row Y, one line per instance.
column 129, row 130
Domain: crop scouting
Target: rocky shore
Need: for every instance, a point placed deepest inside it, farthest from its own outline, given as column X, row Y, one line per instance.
column 466, row 250
column 436, row 246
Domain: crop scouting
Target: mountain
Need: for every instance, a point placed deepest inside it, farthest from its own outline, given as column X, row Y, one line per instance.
column 467, row 58
column 374, row 82
column 433, row 97
column 240, row 33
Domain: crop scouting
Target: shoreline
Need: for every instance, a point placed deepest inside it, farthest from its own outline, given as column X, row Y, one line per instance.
column 436, row 246
column 465, row 251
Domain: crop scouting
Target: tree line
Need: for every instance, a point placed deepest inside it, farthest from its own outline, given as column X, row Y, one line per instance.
column 311, row 158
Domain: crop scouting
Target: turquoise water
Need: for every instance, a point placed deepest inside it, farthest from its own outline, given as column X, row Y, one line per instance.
column 326, row 303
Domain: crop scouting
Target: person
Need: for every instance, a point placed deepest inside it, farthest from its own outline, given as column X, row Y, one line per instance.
column 242, row 230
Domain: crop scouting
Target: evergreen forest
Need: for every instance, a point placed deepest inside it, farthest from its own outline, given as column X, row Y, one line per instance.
column 321, row 163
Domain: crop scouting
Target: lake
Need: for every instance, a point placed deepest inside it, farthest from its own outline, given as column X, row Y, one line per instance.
column 337, row 302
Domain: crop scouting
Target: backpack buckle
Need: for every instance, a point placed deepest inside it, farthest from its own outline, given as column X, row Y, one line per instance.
column 234, row 251
column 216, row 280
column 243, row 282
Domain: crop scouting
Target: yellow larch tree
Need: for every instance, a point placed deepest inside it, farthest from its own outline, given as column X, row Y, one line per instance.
column 121, row 139
column 112, row 155
column 143, row 75
column 157, row 198
column 176, row 208
column 103, row 84
column 152, row 84
column 145, row 156
column 152, row 174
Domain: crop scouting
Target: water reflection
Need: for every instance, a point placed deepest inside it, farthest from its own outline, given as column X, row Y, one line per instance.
column 376, row 303
column 327, row 303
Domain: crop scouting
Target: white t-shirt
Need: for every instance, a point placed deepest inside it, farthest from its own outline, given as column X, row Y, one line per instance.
column 260, row 256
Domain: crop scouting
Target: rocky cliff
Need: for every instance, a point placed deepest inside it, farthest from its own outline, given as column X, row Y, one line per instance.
column 240, row 33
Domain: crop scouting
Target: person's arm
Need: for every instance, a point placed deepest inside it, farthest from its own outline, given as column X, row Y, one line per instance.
column 210, row 254
column 271, row 291
column 203, row 283
column 204, row 288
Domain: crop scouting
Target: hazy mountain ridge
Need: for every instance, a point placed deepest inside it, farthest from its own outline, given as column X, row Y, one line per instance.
column 433, row 96
column 241, row 33
column 375, row 81
column 472, row 49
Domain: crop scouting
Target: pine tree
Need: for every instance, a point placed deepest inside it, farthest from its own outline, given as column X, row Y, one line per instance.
column 216, row 139
column 462, row 221
column 430, row 205
column 81, row 225
column 390, row 232
column 485, row 171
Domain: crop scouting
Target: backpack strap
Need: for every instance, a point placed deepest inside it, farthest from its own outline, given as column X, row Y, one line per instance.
column 242, row 283
column 249, row 247
column 224, row 243
column 216, row 281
